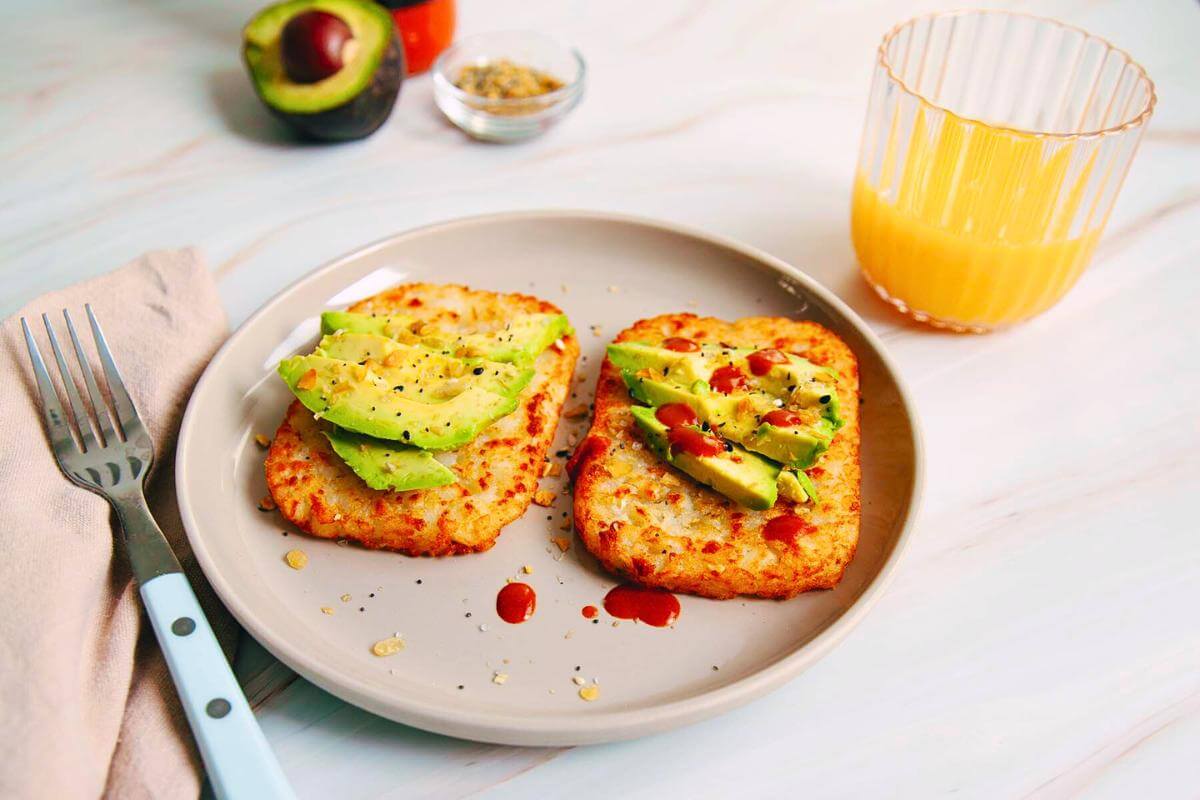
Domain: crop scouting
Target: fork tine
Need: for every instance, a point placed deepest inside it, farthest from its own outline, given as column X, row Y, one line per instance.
column 82, row 422
column 127, row 415
column 56, row 422
column 89, row 380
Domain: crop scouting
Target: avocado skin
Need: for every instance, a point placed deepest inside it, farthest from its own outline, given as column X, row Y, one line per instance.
column 361, row 116
column 752, row 482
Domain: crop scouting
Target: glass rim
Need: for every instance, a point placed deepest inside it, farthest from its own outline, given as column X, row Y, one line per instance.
column 1139, row 119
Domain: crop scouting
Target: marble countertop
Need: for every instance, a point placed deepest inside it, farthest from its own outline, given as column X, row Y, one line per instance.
column 1041, row 637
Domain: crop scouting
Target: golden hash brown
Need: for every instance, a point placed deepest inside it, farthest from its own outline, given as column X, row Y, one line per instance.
column 497, row 472
column 656, row 526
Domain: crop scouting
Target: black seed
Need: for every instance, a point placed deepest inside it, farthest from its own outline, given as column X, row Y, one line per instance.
column 577, row 668
column 360, row 608
column 704, row 427
column 824, row 398
column 461, row 686
column 728, row 447
column 418, row 580
column 595, row 622
column 372, row 594
column 562, row 453
column 405, row 433
column 468, row 613
column 478, row 370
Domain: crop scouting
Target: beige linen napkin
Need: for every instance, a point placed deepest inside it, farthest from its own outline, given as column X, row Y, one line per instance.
column 87, row 707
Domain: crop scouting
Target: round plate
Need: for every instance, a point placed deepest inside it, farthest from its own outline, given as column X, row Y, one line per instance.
column 605, row 271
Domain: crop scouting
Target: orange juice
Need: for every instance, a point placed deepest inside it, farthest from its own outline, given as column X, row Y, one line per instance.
column 972, row 226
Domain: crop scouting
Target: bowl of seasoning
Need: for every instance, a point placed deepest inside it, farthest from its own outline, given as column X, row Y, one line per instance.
column 505, row 87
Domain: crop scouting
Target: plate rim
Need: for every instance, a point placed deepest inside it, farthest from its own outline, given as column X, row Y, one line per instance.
column 513, row 729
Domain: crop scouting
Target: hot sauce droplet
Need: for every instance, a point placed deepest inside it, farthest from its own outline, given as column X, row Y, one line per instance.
column 680, row 345
column 761, row 361
column 786, row 529
column 590, row 612
column 674, row 415
column 651, row 606
column 515, row 602
column 693, row 442
column 589, row 448
column 727, row 379
column 782, row 418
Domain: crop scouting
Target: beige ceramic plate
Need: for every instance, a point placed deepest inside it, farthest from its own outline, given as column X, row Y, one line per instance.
column 718, row 655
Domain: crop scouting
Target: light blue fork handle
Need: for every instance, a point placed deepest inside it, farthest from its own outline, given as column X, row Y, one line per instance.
column 236, row 755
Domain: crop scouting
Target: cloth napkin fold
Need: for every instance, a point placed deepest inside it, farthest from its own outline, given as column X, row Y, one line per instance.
column 87, row 707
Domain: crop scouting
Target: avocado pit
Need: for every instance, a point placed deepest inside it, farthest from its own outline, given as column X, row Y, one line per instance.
column 315, row 45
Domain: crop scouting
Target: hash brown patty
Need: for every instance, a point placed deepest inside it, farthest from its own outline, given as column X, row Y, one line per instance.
column 652, row 524
column 497, row 472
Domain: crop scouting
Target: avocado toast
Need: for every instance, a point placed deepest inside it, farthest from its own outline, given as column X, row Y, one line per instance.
column 467, row 494
column 638, row 511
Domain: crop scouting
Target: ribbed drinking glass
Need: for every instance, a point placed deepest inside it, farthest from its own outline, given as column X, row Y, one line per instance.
column 995, row 145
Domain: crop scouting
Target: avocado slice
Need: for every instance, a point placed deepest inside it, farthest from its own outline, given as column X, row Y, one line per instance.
column 795, row 485
column 388, row 465
column 799, row 382
column 744, row 477
column 431, row 419
column 737, row 417
column 393, row 326
column 522, row 339
column 408, row 368
column 351, row 102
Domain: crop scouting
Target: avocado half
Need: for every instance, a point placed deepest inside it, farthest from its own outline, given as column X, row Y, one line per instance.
column 351, row 103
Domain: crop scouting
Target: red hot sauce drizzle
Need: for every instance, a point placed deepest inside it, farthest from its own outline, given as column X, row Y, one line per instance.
column 651, row 606
column 674, row 415
column 680, row 345
column 516, row 602
column 786, row 529
column 761, row 361
column 590, row 612
column 782, row 418
column 693, row 442
column 727, row 379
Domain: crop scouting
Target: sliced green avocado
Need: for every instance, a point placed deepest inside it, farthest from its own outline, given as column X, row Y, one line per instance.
column 795, row 485
column 799, row 382
column 350, row 103
column 408, row 368
column 737, row 418
column 389, row 325
column 378, row 410
column 522, row 339
column 388, row 465
column 744, row 477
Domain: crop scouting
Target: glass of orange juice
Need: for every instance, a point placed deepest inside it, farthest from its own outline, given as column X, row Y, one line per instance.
column 995, row 145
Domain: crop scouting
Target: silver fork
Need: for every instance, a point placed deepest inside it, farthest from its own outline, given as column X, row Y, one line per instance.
column 111, row 456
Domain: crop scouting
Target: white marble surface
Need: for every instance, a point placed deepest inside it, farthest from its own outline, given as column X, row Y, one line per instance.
column 1041, row 638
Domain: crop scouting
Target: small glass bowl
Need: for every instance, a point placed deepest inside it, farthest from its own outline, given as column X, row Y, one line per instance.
column 508, row 120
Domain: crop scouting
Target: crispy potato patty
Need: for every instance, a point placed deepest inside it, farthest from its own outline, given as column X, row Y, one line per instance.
column 656, row 526
column 497, row 472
